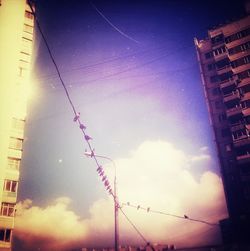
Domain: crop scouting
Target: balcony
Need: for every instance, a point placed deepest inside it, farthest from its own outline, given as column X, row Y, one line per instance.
column 234, row 111
column 224, row 69
column 243, row 158
column 238, row 55
column 6, row 222
column 246, row 112
column 244, row 82
column 242, row 141
column 238, row 127
column 240, row 68
column 231, row 96
column 227, row 83
column 9, row 197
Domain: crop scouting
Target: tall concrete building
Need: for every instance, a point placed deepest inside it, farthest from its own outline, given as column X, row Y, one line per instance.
column 224, row 58
column 16, row 33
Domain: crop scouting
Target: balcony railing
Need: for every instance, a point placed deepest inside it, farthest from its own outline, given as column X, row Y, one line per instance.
column 246, row 111
column 233, row 111
column 227, row 83
column 231, row 96
column 245, row 156
column 242, row 141
column 238, row 127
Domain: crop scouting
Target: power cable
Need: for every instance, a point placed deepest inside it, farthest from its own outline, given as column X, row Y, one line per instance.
column 184, row 217
column 136, row 229
column 71, row 84
column 82, row 127
column 76, row 114
column 105, row 61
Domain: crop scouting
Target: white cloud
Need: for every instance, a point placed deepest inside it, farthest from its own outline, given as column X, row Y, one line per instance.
column 156, row 175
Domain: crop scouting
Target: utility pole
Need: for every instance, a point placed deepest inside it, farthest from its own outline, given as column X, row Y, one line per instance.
column 116, row 202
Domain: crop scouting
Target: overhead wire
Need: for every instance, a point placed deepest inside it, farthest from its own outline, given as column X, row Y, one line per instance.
column 105, row 61
column 184, row 217
column 77, row 118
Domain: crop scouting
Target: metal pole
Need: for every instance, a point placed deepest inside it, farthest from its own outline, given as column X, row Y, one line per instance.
column 116, row 205
column 116, row 202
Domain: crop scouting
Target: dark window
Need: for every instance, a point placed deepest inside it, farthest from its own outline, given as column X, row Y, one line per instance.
column 5, row 235
column 239, row 134
column 7, row 209
column 245, row 104
column 240, row 61
column 10, row 186
column 239, row 48
column 222, row 63
column 237, row 35
column 226, row 76
column 217, row 39
column 244, row 74
column 247, row 120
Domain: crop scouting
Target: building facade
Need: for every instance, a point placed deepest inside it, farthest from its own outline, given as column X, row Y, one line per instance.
column 16, row 33
column 224, row 59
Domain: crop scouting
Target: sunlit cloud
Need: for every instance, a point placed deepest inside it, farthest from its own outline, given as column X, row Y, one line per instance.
column 155, row 175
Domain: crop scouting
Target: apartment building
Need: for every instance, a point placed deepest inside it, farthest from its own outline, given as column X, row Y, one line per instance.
column 224, row 59
column 16, row 32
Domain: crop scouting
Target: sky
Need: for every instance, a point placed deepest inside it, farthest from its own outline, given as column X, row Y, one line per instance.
column 132, row 73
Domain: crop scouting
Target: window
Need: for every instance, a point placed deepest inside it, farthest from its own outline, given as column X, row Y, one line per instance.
column 10, row 186
column 13, row 163
column 28, row 28
column 219, row 50
column 239, row 134
column 244, row 74
column 5, row 235
column 226, row 76
column 209, row 55
column 17, row 124
column 240, row 61
column 217, row 39
column 15, row 143
column 8, row 209
column 237, row 35
column 222, row 63
column 239, row 48
column 28, row 14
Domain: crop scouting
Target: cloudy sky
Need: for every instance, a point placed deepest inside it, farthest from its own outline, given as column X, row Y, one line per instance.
column 132, row 73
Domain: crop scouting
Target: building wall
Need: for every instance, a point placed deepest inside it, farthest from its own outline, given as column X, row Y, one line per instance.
column 16, row 32
column 224, row 59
